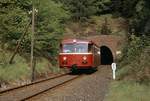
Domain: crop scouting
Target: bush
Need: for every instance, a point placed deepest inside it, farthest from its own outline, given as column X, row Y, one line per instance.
column 135, row 64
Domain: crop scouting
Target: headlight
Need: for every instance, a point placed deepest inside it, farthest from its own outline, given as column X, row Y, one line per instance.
column 84, row 58
column 64, row 58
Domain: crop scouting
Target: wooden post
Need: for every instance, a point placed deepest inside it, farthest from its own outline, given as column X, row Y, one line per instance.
column 32, row 45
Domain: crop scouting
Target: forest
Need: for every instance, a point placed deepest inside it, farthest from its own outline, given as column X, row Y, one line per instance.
column 51, row 18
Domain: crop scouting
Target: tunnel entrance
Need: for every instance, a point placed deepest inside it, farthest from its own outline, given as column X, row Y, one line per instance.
column 106, row 56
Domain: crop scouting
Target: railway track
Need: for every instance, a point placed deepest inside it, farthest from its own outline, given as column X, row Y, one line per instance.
column 28, row 91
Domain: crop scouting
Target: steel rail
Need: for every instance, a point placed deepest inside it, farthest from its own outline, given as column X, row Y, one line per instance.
column 32, row 83
column 50, row 88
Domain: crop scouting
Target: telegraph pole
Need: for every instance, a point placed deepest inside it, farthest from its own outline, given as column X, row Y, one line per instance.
column 32, row 44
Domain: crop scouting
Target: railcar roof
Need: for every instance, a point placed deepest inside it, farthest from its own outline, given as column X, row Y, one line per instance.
column 75, row 41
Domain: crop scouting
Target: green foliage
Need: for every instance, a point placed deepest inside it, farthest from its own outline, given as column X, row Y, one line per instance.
column 16, row 71
column 13, row 19
column 103, row 6
column 20, row 69
column 141, row 20
column 50, row 20
column 52, row 16
column 137, row 11
column 83, row 9
column 125, row 8
column 42, row 66
column 50, row 26
column 80, row 9
column 135, row 63
column 134, row 48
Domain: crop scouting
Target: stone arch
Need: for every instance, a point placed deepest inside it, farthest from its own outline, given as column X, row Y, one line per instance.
column 111, row 41
column 106, row 55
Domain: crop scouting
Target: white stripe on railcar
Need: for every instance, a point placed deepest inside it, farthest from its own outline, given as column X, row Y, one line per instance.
column 74, row 53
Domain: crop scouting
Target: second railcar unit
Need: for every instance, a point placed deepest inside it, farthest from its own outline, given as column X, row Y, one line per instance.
column 81, row 54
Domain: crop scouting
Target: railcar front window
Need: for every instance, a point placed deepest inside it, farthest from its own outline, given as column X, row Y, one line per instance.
column 75, row 48
column 68, row 48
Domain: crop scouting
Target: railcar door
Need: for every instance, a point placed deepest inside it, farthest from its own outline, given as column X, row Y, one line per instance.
column 96, row 57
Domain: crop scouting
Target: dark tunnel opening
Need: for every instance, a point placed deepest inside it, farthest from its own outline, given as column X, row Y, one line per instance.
column 106, row 56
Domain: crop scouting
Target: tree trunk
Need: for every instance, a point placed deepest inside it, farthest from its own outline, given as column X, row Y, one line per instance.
column 18, row 43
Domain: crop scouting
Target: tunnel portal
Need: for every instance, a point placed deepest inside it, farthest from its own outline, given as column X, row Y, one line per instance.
column 106, row 55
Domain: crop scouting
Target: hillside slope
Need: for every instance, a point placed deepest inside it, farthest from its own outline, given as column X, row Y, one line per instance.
column 93, row 26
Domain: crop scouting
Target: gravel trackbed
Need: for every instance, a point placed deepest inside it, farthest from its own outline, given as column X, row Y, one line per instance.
column 91, row 87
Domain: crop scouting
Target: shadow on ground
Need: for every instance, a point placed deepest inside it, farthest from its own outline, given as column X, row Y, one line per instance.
column 83, row 71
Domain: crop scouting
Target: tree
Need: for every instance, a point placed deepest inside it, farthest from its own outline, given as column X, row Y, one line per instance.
column 80, row 9
column 13, row 19
column 103, row 6
column 141, row 18
column 137, row 12
column 50, row 20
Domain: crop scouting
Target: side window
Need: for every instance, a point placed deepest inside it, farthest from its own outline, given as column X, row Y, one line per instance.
column 90, row 48
column 60, row 48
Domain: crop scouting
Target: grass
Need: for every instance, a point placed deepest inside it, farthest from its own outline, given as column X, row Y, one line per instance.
column 44, row 66
column 128, row 91
column 20, row 69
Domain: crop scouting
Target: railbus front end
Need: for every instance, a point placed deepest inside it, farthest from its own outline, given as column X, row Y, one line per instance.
column 77, row 54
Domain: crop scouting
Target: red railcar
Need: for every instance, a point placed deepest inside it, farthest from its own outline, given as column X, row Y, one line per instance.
column 79, row 54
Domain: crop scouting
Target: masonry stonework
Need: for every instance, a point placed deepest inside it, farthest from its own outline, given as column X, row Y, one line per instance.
column 110, row 41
